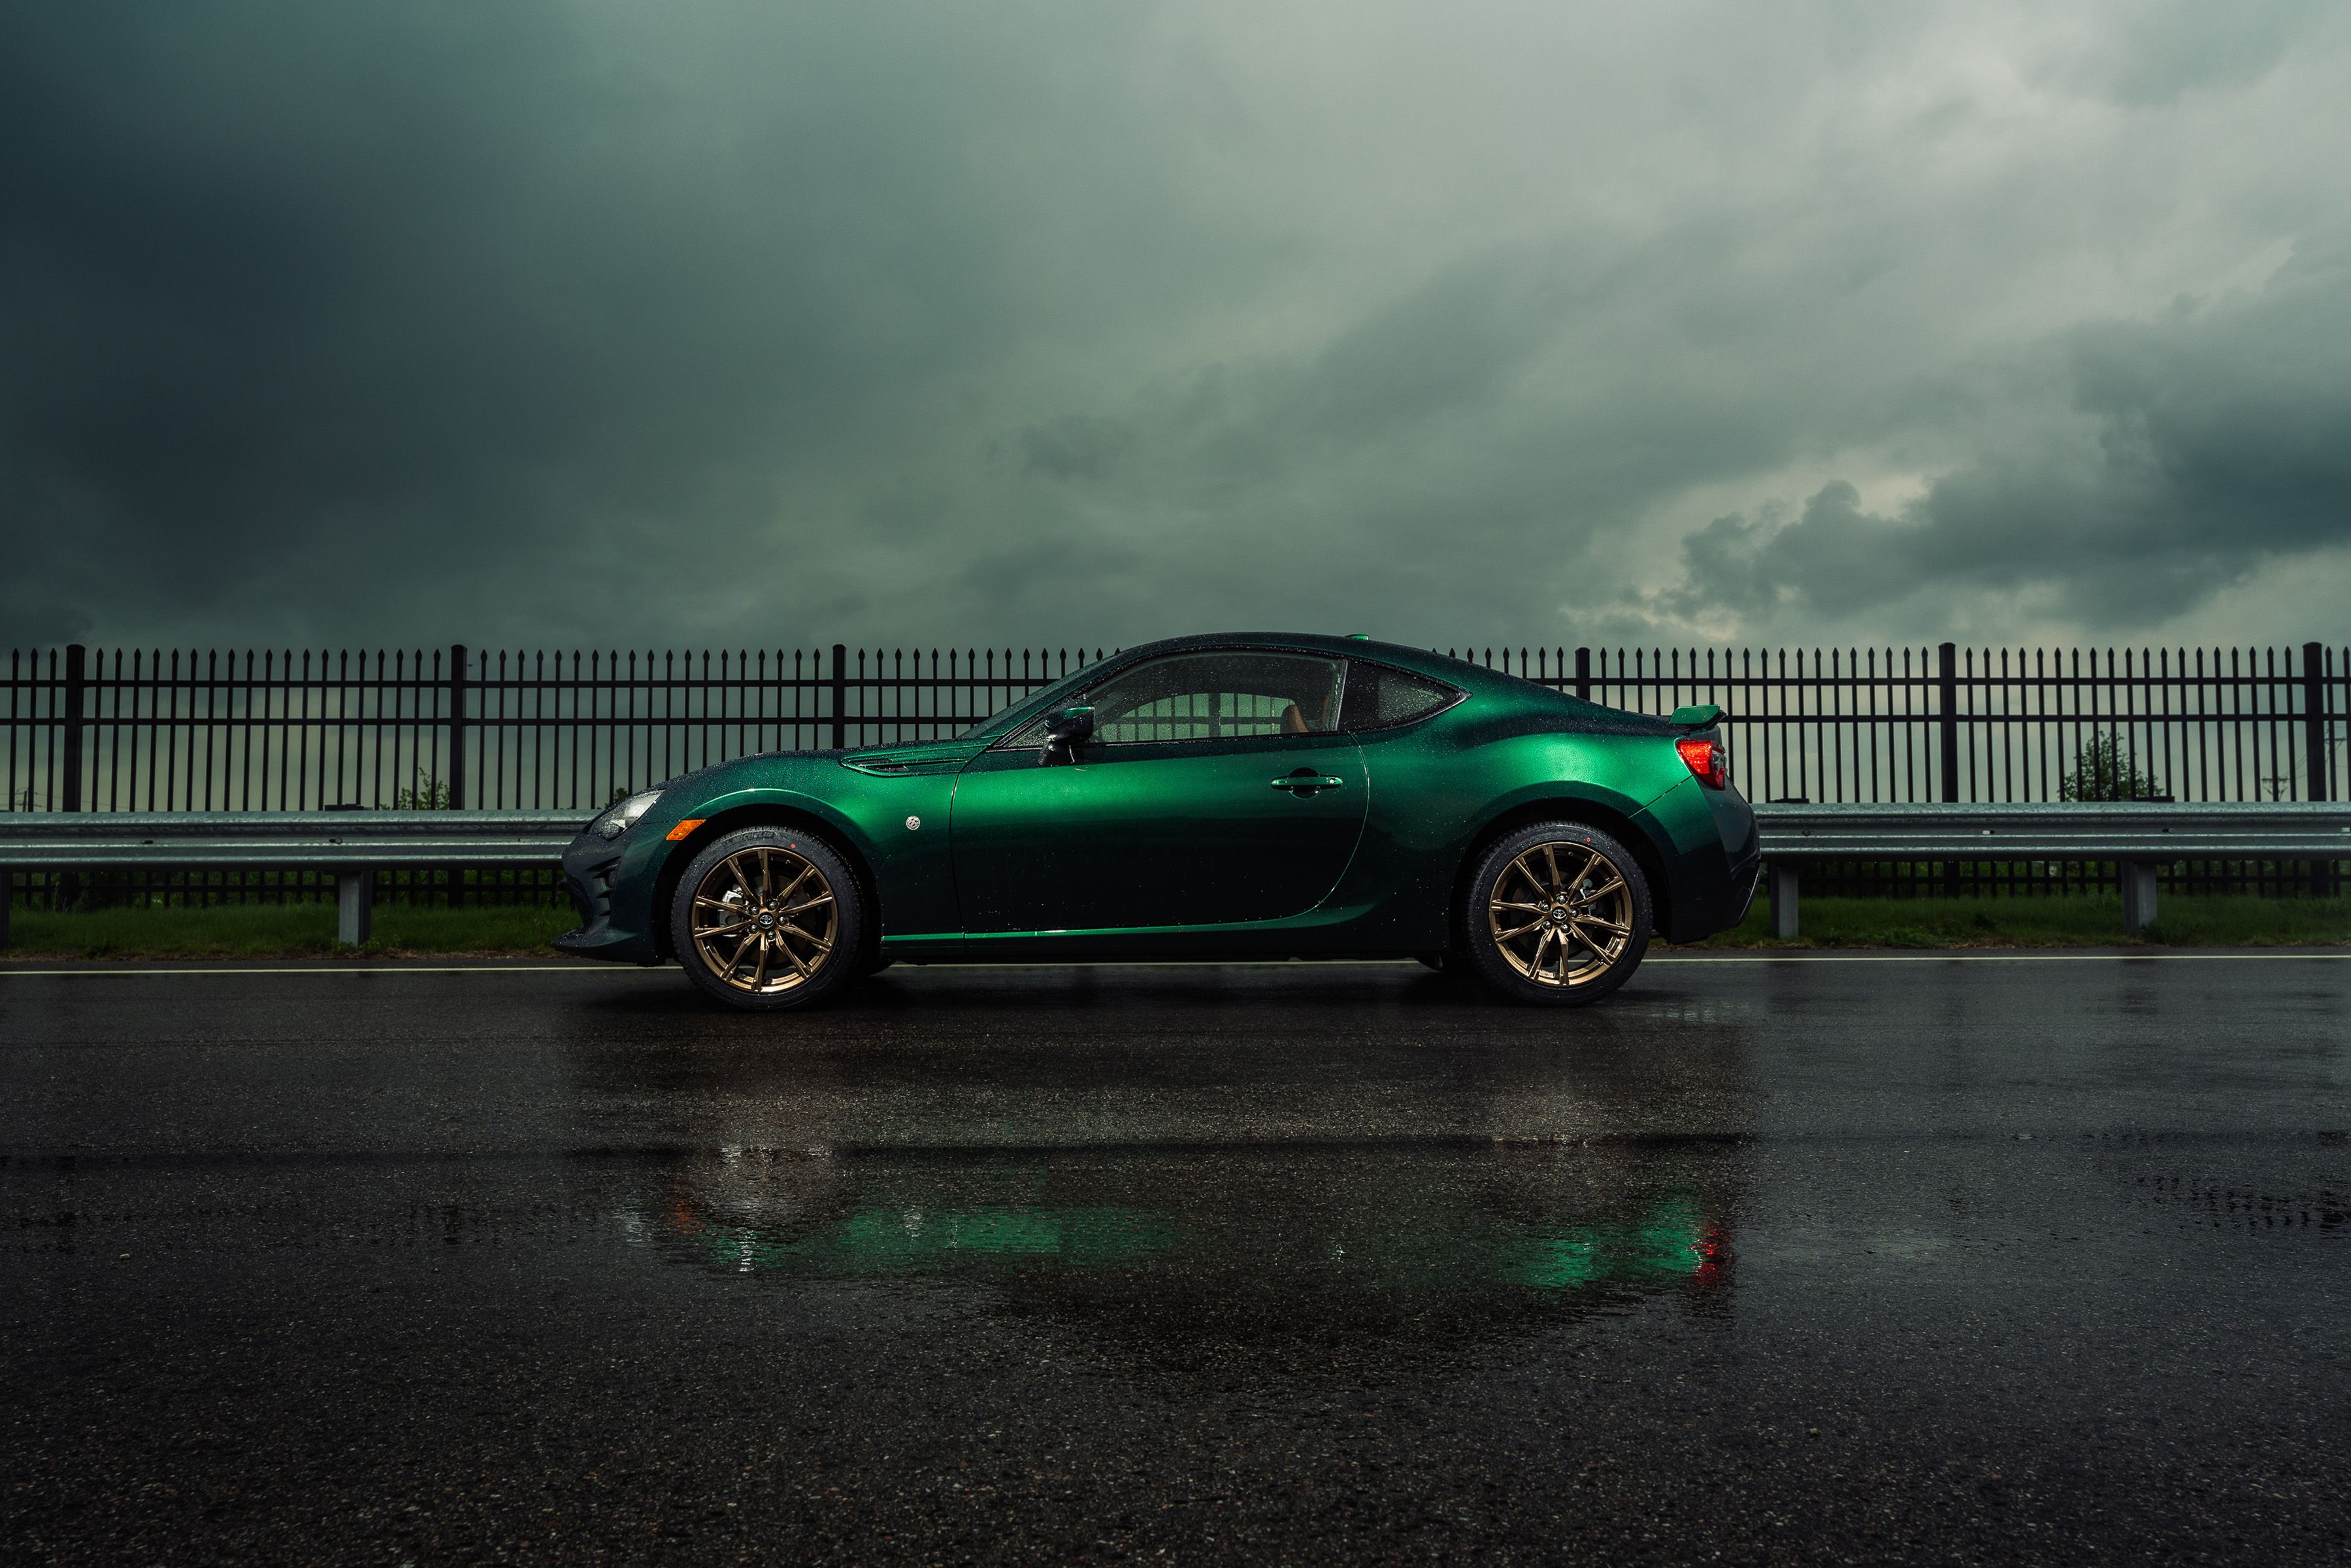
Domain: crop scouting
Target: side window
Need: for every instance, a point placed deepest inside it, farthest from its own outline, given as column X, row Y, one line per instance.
column 1381, row 698
column 1218, row 696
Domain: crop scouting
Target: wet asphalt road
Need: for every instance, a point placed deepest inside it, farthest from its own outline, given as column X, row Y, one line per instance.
column 1865, row 1261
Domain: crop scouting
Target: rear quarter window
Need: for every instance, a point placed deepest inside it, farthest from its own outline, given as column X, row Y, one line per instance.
column 1379, row 697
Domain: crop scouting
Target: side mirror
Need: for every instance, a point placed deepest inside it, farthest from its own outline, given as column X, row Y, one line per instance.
column 1066, row 729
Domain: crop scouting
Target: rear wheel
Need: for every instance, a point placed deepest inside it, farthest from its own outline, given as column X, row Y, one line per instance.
column 1558, row 914
column 767, row 918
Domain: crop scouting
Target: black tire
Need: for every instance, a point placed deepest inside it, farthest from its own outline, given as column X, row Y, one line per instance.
column 792, row 946
column 1580, row 939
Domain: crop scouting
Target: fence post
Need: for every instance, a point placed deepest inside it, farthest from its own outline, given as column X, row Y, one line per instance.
column 455, row 873
column 1583, row 673
column 457, row 727
column 2315, row 750
column 65, row 887
column 1947, row 687
column 2314, row 721
column 77, row 697
column 1947, row 717
column 840, row 697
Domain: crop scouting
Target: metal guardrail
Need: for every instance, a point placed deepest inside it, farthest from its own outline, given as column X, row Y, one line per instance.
column 351, row 844
column 2137, row 837
column 311, row 839
column 2201, row 831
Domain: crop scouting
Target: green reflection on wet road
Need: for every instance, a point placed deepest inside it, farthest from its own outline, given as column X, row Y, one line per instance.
column 879, row 1240
column 1428, row 1236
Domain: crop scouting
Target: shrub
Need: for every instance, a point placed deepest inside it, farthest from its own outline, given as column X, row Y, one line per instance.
column 2103, row 771
column 431, row 795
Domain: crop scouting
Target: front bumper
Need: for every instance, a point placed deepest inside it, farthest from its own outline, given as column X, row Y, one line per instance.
column 592, row 866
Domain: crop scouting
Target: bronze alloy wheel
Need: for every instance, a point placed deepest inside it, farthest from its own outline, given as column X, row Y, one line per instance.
column 768, row 918
column 764, row 920
column 1562, row 914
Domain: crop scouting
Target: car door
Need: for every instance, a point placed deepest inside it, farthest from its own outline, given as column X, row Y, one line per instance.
column 1216, row 788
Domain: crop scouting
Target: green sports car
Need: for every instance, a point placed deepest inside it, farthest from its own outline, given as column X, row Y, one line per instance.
column 1254, row 796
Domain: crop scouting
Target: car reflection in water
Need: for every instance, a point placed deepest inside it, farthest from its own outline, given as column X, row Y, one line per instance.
column 1304, row 1172
column 1287, row 1251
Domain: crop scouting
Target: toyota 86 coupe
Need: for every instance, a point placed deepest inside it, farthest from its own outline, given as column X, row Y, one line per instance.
column 1256, row 796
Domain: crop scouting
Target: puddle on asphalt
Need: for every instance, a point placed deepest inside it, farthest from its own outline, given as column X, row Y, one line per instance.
column 1199, row 1184
column 1446, row 1217
column 1276, row 1250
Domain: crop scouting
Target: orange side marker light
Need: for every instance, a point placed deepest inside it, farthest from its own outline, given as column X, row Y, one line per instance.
column 684, row 828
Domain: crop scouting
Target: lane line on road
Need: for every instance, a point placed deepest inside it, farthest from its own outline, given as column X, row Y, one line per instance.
column 1966, row 957
column 134, row 969
column 616, row 971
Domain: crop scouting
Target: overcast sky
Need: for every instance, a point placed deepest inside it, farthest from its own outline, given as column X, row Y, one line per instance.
column 558, row 325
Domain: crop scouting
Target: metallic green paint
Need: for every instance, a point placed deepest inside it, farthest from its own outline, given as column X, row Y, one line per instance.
column 1201, row 847
column 1180, row 833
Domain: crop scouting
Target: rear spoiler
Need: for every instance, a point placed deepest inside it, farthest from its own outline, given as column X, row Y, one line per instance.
column 1705, row 715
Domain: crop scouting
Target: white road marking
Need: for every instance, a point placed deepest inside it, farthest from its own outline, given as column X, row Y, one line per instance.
column 135, row 968
column 1969, row 956
column 130, row 967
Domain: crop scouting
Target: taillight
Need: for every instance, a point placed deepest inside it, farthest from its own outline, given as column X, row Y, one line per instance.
column 1707, row 760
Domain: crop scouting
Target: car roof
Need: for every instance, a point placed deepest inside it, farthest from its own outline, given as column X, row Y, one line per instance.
column 1476, row 679
column 1455, row 672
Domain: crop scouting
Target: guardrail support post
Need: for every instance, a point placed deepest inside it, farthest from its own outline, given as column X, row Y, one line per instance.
column 7, row 891
column 1783, row 902
column 354, row 907
column 2138, row 895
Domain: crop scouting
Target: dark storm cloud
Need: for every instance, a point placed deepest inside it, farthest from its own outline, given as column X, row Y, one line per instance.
column 306, row 307
column 2213, row 441
column 576, row 323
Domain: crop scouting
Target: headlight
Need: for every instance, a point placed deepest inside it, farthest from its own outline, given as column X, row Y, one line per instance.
column 618, row 819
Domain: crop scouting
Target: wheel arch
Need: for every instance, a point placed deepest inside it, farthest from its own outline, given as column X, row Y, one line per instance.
column 763, row 814
column 1613, row 821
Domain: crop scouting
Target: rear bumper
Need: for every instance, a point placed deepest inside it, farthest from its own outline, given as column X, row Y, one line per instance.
column 1718, row 859
column 1713, row 898
column 1754, row 881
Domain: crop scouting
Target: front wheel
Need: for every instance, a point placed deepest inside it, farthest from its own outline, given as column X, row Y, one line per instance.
column 767, row 918
column 1557, row 914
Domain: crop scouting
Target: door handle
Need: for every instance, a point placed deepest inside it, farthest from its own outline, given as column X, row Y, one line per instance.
column 1303, row 783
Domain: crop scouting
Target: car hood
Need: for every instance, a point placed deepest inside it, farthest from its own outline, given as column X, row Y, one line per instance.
column 914, row 757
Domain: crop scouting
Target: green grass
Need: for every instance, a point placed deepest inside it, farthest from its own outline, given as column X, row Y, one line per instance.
column 308, row 930
column 2077, row 922
column 279, row 931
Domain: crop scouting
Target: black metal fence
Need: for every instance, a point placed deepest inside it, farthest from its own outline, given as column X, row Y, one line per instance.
column 142, row 729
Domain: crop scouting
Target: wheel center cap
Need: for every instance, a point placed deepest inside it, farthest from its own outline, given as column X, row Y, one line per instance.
column 766, row 921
